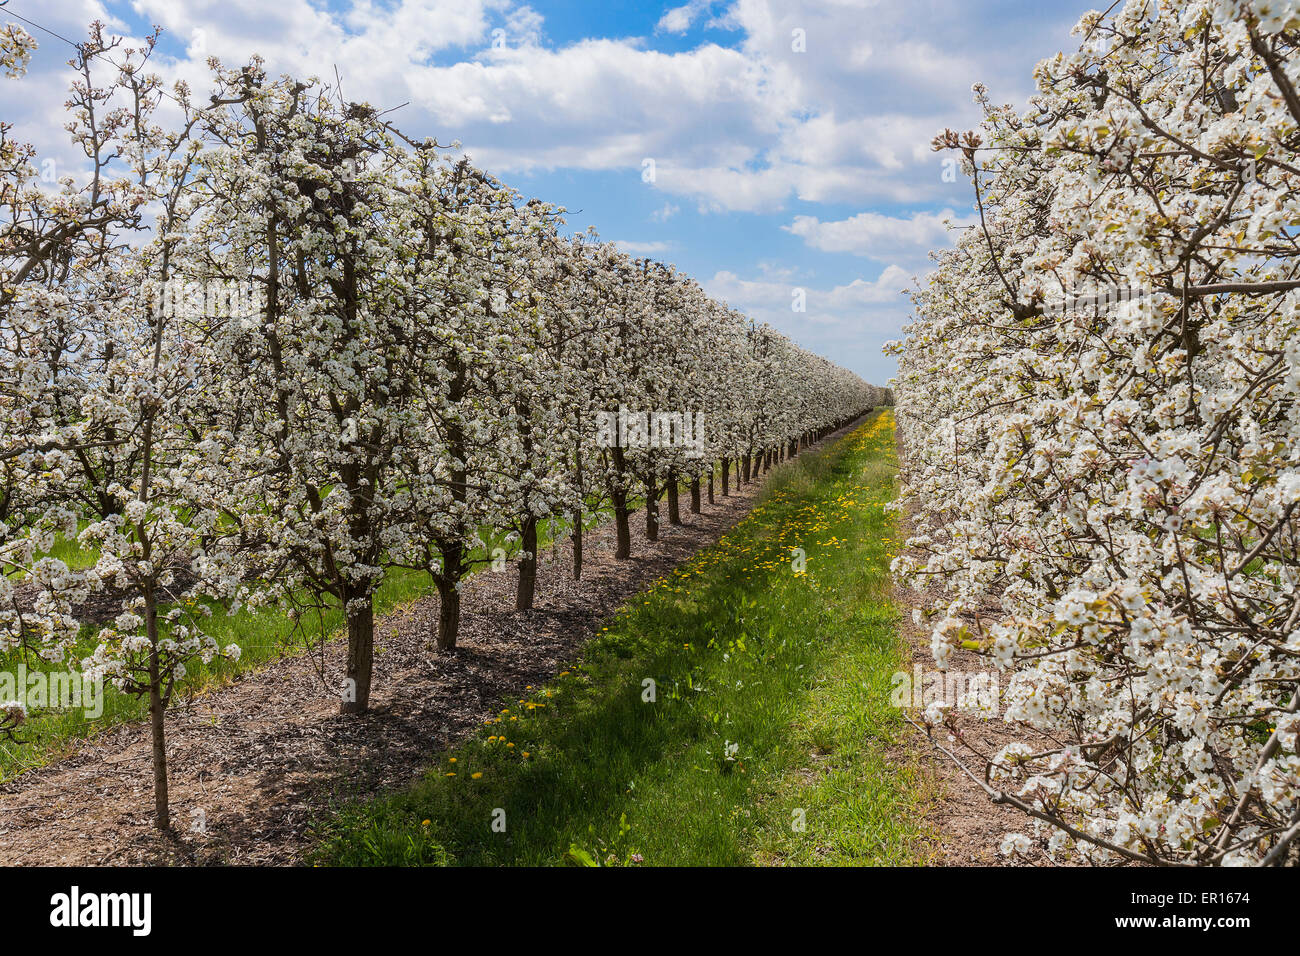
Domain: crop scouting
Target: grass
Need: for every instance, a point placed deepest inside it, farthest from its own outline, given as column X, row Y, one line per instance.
column 264, row 635
column 69, row 550
column 737, row 712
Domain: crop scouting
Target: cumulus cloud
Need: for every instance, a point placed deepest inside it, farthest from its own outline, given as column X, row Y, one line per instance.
column 848, row 323
column 747, row 127
column 679, row 19
column 876, row 236
column 774, row 298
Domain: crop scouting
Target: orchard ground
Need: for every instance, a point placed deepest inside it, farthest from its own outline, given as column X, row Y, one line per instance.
column 734, row 710
column 737, row 712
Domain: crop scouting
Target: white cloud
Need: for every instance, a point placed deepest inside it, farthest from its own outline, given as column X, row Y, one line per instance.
column 679, row 19
column 667, row 212
column 634, row 248
column 847, row 323
column 880, row 237
column 524, row 24
column 745, row 128
column 858, row 303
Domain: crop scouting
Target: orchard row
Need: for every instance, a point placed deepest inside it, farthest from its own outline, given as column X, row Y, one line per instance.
column 1099, row 400
column 271, row 348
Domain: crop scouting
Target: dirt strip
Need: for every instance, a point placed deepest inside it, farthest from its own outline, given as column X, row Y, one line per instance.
column 970, row 826
column 254, row 763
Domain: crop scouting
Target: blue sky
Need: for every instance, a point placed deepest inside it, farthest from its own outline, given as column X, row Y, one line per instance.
column 776, row 168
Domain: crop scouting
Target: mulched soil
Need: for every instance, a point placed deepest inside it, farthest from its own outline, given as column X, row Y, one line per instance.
column 262, row 758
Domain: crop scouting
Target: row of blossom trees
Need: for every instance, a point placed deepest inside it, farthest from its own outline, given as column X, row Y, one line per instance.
column 271, row 348
column 1098, row 396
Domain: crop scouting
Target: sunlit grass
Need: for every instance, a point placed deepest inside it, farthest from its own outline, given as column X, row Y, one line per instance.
column 770, row 736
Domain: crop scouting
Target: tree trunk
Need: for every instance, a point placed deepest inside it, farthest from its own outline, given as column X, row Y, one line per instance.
column 576, row 536
column 527, row 567
column 618, row 495
column 726, row 477
column 674, row 504
column 162, row 811
column 448, row 615
column 710, row 484
column 651, row 511
column 453, row 570
column 749, row 463
column 622, row 532
column 361, row 654
column 695, row 495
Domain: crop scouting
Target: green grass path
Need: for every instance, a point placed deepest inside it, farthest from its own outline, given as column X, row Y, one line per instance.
column 737, row 712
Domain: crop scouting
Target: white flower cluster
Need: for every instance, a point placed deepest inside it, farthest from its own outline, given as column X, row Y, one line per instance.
column 1108, row 486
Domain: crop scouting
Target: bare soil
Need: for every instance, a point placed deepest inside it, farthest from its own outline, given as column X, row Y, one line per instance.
column 968, row 824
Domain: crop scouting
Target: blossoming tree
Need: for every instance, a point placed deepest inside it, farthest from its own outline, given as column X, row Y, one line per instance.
column 1098, row 398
